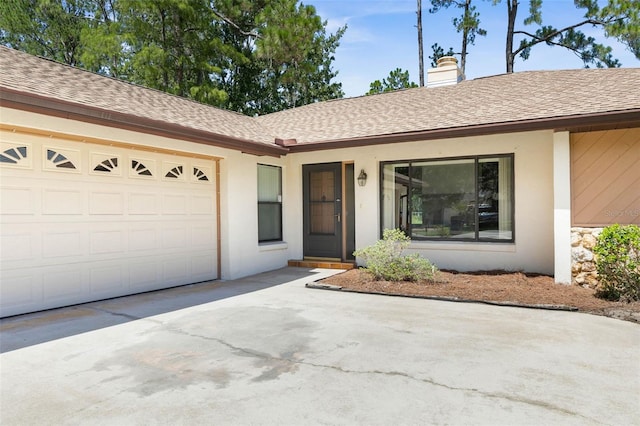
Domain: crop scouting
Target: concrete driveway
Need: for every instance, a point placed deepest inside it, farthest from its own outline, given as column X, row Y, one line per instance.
column 266, row 350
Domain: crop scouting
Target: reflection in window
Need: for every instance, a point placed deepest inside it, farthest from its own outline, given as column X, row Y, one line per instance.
column 199, row 174
column 107, row 165
column 269, row 203
column 59, row 160
column 140, row 168
column 13, row 155
column 459, row 199
column 175, row 173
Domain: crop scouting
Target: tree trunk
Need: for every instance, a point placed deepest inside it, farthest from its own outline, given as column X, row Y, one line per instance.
column 512, row 11
column 420, row 50
column 465, row 36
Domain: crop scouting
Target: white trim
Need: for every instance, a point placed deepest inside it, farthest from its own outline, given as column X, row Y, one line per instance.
column 562, row 207
column 464, row 246
column 272, row 246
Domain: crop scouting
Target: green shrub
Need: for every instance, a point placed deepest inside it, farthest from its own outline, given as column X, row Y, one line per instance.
column 385, row 261
column 618, row 262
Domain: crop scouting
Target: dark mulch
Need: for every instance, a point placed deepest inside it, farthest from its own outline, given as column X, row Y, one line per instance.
column 497, row 287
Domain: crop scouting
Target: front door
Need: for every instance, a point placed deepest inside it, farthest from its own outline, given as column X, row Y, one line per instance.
column 322, row 197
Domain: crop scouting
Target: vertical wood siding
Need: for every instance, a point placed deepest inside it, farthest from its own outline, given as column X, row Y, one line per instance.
column 605, row 177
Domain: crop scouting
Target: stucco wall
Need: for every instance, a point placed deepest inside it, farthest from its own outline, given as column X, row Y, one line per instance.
column 241, row 255
column 534, row 220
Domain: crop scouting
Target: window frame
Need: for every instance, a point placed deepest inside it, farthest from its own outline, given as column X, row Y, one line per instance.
column 476, row 159
column 279, row 203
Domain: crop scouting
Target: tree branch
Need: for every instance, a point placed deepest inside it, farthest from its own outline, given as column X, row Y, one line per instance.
column 550, row 36
column 234, row 25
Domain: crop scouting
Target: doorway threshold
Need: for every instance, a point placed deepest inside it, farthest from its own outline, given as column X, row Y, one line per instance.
column 320, row 263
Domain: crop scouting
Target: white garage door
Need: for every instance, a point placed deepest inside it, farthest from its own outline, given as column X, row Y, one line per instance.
column 83, row 222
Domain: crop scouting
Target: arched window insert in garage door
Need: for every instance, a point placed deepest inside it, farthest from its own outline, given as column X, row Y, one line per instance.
column 20, row 155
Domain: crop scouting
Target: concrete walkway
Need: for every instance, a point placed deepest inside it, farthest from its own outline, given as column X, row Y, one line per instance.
column 266, row 350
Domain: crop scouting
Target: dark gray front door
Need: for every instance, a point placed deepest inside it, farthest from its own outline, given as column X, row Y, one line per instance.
column 322, row 209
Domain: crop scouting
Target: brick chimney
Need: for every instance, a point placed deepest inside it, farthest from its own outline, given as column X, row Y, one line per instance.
column 445, row 73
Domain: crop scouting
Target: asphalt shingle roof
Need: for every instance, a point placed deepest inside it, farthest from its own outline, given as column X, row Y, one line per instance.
column 499, row 99
column 508, row 98
column 31, row 74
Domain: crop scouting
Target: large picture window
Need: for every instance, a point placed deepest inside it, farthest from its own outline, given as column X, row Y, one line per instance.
column 461, row 199
column 269, row 203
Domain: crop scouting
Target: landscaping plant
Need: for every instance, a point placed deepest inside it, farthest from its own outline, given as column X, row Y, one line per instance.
column 618, row 262
column 384, row 259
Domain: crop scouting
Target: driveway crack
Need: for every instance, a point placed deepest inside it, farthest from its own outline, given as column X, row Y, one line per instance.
column 124, row 315
column 503, row 396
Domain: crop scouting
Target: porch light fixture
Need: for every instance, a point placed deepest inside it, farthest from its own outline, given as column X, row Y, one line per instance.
column 362, row 178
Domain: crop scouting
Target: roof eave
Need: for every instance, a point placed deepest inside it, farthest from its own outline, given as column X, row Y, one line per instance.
column 574, row 123
column 88, row 114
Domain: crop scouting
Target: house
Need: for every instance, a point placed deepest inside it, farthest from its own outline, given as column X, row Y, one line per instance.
column 108, row 188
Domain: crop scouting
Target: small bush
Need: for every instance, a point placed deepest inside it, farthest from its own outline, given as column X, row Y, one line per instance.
column 385, row 260
column 618, row 262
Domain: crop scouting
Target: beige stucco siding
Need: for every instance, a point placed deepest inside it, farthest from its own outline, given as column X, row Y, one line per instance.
column 533, row 170
column 605, row 177
column 240, row 252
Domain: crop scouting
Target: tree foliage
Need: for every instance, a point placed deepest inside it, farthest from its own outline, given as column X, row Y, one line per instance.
column 396, row 80
column 619, row 19
column 251, row 56
column 438, row 52
column 46, row 28
column 468, row 24
column 296, row 54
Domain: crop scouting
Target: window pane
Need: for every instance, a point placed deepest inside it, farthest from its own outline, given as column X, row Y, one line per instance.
column 442, row 199
column 269, row 203
column 269, row 183
column 395, row 190
column 467, row 198
column 495, row 189
column 269, row 221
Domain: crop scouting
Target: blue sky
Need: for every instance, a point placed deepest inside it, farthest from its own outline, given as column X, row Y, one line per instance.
column 382, row 36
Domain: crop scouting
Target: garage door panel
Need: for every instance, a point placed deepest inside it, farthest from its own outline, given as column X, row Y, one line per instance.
column 175, row 271
column 16, row 247
column 17, row 200
column 174, row 204
column 106, row 203
column 203, row 236
column 143, row 239
column 141, row 203
column 63, row 284
column 202, row 205
column 107, row 281
column 115, row 223
column 174, row 237
column 144, row 274
column 61, row 243
column 19, row 291
column 62, row 202
column 107, row 242
column 203, row 266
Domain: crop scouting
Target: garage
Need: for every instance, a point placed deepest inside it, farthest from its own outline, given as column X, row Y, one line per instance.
column 85, row 220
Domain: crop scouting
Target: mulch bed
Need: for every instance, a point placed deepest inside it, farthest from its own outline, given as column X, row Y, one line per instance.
column 495, row 287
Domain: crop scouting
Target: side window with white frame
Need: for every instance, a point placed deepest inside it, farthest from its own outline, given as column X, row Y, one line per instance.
column 269, row 203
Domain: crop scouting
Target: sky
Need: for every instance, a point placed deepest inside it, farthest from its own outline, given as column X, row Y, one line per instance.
column 382, row 36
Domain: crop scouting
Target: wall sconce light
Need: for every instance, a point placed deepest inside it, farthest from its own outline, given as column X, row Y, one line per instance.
column 362, row 178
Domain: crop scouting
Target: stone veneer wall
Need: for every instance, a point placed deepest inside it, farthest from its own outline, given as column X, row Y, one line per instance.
column 583, row 266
